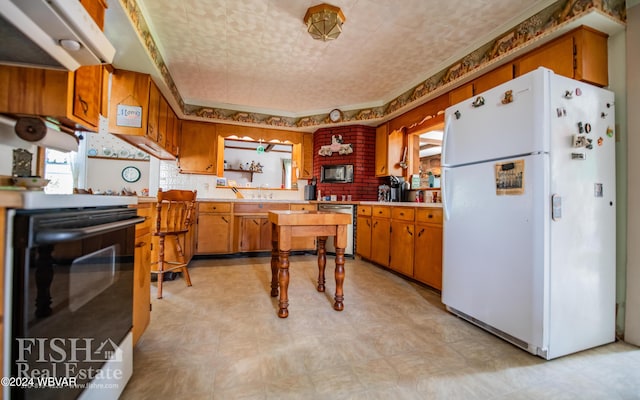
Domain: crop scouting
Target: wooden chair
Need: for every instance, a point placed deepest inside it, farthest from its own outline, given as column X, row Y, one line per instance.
column 174, row 214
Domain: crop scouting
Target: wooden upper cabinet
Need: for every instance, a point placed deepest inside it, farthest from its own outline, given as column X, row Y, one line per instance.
column 96, row 9
column 493, row 78
column 557, row 56
column 389, row 149
column 87, row 94
column 306, row 172
column 72, row 98
column 149, row 130
column 154, row 106
column 460, row 94
column 591, row 56
column 198, row 148
column 129, row 89
column 580, row 54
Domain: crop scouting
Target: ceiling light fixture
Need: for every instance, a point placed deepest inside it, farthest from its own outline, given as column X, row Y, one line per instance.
column 324, row 22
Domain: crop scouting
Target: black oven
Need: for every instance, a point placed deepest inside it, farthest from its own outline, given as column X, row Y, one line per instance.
column 72, row 296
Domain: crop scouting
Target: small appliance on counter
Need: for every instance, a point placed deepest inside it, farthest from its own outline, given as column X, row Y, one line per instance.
column 399, row 189
column 310, row 190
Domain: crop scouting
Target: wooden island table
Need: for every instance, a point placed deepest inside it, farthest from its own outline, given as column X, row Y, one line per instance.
column 321, row 224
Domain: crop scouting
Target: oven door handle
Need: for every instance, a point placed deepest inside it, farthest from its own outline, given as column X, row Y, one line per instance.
column 62, row 235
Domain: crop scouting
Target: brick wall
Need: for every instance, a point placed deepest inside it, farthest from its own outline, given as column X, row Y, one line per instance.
column 363, row 140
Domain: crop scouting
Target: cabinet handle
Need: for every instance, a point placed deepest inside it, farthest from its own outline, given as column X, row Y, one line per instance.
column 402, row 214
column 421, row 232
column 225, row 220
column 368, row 223
column 141, row 244
column 375, row 224
column 409, row 231
column 84, row 105
column 255, row 222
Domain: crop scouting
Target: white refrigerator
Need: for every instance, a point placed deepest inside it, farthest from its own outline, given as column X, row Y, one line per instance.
column 528, row 197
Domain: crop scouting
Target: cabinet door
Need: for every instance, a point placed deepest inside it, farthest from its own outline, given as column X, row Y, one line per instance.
column 363, row 237
column 591, row 56
column 380, row 239
column 428, row 255
column 214, row 234
column 557, row 56
column 401, row 248
column 307, row 156
column 163, row 115
column 154, row 105
column 460, row 94
column 250, row 229
column 389, row 151
column 492, row 79
column 197, row 148
column 141, row 286
column 87, row 94
column 265, row 234
column 131, row 89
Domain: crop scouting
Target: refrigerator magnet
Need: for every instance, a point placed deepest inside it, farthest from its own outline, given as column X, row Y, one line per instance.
column 609, row 131
column 600, row 141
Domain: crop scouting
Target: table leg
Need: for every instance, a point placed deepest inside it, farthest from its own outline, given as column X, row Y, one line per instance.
column 283, row 279
column 274, row 261
column 338, row 305
column 322, row 261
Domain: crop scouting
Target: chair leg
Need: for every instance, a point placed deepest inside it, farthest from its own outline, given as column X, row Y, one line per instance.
column 160, row 265
column 182, row 260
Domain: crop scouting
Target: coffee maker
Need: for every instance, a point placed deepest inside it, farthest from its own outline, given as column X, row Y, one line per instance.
column 310, row 190
column 398, row 188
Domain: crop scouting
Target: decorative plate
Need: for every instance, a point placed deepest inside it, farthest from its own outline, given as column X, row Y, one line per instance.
column 92, row 152
column 107, row 152
column 123, row 153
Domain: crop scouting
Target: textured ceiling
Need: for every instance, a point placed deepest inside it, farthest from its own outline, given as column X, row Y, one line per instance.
column 255, row 55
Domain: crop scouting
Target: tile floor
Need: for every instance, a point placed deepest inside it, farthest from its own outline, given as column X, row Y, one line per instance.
column 221, row 339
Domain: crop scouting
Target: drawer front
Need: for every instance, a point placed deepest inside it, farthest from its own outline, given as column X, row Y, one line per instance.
column 214, row 207
column 403, row 213
column 431, row 215
column 364, row 211
column 383, row 212
column 260, row 208
column 303, row 207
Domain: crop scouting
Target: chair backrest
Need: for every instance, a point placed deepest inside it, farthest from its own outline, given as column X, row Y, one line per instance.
column 175, row 210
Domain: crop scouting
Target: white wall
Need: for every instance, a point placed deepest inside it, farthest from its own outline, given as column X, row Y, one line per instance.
column 632, row 314
column 271, row 175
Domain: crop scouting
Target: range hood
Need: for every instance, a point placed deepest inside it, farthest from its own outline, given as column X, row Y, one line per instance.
column 57, row 34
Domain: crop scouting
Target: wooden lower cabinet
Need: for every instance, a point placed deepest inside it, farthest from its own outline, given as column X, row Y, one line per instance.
column 380, row 239
column 363, row 237
column 142, row 274
column 428, row 247
column 407, row 240
column 401, row 250
column 254, row 233
column 428, row 255
column 215, row 228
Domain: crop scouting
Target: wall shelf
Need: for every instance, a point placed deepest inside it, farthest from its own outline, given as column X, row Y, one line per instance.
column 246, row 171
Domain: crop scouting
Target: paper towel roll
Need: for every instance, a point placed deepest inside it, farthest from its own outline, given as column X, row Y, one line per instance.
column 52, row 138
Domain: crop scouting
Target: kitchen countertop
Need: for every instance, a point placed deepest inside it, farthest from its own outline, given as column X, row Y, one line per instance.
column 294, row 201
column 37, row 199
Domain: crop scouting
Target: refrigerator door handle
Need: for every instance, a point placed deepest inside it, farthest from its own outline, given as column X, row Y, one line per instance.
column 444, row 195
column 445, row 135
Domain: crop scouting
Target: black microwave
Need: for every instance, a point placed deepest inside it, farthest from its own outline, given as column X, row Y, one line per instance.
column 341, row 173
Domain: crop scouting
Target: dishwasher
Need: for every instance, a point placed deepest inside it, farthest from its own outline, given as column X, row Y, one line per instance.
column 345, row 209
